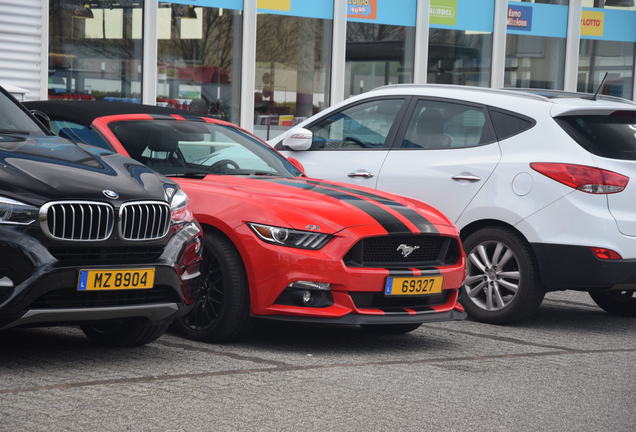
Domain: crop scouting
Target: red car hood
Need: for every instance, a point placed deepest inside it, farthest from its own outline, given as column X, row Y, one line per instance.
column 302, row 202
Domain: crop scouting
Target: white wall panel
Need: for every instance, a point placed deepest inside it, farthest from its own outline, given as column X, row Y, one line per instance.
column 24, row 45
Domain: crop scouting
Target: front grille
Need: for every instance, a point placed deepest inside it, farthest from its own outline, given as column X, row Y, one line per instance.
column 71, row 298
column 377, row 300
column 144, row 220
column 106, row 255
column 78, row 220
column 422, row 250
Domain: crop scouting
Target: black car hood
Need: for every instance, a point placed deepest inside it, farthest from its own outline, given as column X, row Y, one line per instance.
column 40, row 169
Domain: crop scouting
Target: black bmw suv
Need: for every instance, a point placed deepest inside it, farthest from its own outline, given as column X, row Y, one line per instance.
column 89, row 237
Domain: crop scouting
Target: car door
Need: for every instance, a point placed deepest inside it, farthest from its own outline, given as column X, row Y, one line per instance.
column 442, row 155
column 351, row 144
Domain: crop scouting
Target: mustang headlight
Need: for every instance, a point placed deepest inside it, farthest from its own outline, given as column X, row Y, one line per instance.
column 14, row 212
column 180, row 208
column 290, row 237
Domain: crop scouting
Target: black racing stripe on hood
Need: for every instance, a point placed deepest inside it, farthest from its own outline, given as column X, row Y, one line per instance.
column 423, row 224
column 389, row 222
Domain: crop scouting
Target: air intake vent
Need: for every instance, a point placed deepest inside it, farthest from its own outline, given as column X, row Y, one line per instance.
column 77, row 220
column 144, row 220
column 403, row 251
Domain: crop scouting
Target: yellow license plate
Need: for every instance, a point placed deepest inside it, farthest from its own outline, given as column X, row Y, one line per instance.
column 413, row 286
column 105, row 280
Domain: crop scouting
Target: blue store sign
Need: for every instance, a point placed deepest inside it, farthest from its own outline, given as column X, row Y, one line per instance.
column 520, row 18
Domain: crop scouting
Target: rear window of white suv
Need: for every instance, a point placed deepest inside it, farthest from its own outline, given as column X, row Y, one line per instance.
column 611, row 136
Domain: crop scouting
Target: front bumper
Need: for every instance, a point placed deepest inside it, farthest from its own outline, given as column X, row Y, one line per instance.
column 49, row 296
column 357, row 319
column 576, row 267
column 356, row 292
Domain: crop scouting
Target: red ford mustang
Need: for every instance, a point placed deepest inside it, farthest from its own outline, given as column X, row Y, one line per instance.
column 280, row 245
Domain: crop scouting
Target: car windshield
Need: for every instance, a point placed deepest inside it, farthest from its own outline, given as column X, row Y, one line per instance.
column 195, row 148
column 14, row 120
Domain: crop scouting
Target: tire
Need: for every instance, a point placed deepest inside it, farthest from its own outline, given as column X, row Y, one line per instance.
column 508, row 291
column 393, row 329
column 126, row 333
column 222, row 310
column 622, row 303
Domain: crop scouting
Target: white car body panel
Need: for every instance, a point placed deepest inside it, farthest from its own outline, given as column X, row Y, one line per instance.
column 429, row 173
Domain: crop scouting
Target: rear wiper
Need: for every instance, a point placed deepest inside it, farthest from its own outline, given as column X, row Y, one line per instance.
column 191, row 174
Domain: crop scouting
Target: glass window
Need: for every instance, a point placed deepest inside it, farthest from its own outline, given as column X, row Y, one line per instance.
column 199, row 59
column 508, row 124
column 438, row 125
column 608, row 44
column 534, row 62
column 611, row 4
column 293, row 66
column 188, row 148
column 459, row 57
column 95, row 50
column 78, row 133
column 535, row 44
column 13, row 119
column 460, row 42
column 377, row 55
column 598, row 57
column 363, row 126
column 610, row 136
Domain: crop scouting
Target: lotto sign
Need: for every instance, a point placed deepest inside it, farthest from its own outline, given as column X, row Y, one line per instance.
column 362, row 9
column 281, row 5
column 443, row 12
column 592, row 23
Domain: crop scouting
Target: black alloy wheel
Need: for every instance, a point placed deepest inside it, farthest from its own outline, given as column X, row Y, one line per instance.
column 209, row 304
column 221, row 312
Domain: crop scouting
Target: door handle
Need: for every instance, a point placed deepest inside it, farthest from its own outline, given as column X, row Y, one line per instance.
column 466, row 177
column 360, row 173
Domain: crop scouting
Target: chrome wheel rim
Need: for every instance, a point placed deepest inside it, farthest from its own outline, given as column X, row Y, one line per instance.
column 492, row 276
column 209, row 303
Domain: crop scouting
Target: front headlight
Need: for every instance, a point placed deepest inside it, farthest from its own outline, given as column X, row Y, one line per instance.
column 180, row 208
column 290, row 237
column 14, row 212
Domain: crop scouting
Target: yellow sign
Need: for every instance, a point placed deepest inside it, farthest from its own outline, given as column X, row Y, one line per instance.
column 281, row 5
column 592, row 23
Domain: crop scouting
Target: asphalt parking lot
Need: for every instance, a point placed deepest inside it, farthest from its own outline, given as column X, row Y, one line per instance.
column 572, row 368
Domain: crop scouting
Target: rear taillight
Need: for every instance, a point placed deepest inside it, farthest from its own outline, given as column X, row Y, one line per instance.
column 606, row 254
column 584, row 178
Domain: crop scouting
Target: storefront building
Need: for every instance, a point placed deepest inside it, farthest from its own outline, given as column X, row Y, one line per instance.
column 268, row 64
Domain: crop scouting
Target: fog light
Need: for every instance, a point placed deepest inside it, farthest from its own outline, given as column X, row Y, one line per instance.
column 306, row 297
column 5, row 282
column 306, row 294
column 197, row 245
column 309, row 285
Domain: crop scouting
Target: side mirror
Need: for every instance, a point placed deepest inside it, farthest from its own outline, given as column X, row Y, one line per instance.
column 42, row 118
column 295, row 162
column 298, row 139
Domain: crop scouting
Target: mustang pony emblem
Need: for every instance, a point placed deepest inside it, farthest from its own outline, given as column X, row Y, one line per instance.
column 406, row 250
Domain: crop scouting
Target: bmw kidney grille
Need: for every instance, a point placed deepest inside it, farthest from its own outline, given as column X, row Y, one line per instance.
column 95, row 221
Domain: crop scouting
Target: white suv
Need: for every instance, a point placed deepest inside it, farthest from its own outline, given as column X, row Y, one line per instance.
column 537, row 181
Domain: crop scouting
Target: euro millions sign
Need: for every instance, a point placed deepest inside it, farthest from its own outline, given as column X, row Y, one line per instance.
column 520, row 18
column 362, row 9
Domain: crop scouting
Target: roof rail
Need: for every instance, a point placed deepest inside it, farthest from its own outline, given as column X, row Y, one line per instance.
column 552, row 94
column 508, row 92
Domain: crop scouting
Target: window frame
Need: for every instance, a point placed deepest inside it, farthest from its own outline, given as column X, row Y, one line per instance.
column 390, row 138
column 398, row 143
column 532, row 121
